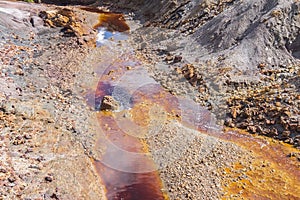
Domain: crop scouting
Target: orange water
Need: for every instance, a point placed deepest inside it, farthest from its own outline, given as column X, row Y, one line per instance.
column 112, row 21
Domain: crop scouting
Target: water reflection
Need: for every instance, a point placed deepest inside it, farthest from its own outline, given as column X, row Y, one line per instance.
column 104, row 37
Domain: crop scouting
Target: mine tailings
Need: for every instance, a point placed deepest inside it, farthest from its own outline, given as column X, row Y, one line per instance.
column 126, row 167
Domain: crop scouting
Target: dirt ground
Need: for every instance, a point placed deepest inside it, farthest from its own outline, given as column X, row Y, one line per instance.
column 244, row 71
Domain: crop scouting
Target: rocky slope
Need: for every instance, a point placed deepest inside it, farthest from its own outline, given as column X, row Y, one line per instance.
column 241, row 58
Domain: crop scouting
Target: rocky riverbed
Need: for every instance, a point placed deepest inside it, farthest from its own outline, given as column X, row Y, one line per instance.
column 232, row 63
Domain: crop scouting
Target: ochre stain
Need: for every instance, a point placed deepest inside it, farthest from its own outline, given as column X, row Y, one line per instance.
column 272, row 175
column 130, row 186
column 113, row 22
column 264, row 180
column 110, row 20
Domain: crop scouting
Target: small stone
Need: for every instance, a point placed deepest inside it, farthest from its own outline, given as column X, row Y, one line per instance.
column 19, row 72
column 36, row 21
column 177, row 59
column 252, row 129
column 54, row 196
column 169, row 58
column 277, row 104
column 11, row 179
column 110, row 72
column 109, row 103
column 286, row 133
column 234, row 113
column 27, row 136
column 48, row 179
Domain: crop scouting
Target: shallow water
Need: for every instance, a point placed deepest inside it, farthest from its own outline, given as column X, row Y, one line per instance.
column 104, row 37
column 126, row 168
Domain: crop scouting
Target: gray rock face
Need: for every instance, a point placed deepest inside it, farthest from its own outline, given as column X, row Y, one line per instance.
column 253, row 32
column 151, row 9
column 15, row 15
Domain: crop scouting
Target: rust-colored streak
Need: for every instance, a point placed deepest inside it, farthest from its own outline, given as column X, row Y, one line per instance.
column 119, row 183
column 156, row 95
column 279, row 179
column 117, row 136
column 266, row 148
column 264, row 180
column 112, row 21
column 273, row 175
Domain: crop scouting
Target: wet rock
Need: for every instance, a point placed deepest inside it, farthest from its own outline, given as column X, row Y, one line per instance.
column 109, row 103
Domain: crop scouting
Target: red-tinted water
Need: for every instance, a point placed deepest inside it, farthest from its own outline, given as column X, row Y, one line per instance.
column 126, row 169
column 130, row 186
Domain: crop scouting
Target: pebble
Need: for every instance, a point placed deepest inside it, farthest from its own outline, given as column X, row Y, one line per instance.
column 49, row 178
column 11, row 179
column 109, row 103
